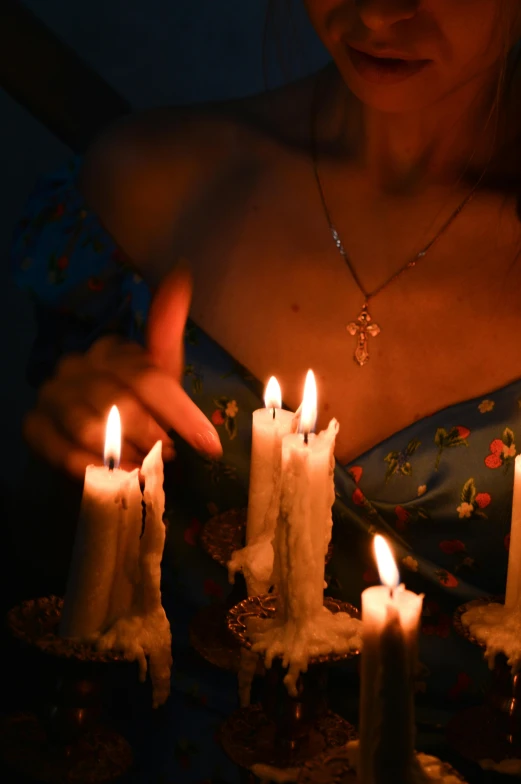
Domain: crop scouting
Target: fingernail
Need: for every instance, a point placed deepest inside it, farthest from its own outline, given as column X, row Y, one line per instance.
column 208, row 443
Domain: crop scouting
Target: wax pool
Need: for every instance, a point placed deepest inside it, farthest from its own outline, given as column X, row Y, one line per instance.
column 302, row 627
column 113, row 597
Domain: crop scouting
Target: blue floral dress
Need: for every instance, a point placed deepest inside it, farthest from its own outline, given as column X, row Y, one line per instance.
column 440, row 488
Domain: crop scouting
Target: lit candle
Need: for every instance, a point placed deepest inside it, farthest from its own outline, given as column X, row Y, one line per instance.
column 142, row 632
column 497, row 626
column 113, row 595
column 513, row 590
column 104, row 565
column 302, row 626
column 304, row 527
column 269, row 426
column 390, row 621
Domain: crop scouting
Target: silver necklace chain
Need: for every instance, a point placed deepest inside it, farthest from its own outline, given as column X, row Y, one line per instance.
column 364, row 327
column 368, row 295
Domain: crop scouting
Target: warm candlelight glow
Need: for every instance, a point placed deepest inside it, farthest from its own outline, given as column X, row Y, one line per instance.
column 272, row 395
column 513, row 589
column 112, row 451
column 308, row 413
column 387, row 568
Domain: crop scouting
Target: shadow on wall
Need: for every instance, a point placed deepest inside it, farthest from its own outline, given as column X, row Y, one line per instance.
column 184, row 51
column 27, row 150
column 156, row 52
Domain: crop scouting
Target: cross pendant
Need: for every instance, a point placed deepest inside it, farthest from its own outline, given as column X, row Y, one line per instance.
column 362, row 328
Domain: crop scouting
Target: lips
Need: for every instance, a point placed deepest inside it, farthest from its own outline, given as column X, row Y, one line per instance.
column 390, row 69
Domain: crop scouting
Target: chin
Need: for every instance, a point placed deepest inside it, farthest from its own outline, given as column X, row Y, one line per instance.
column 410, row 95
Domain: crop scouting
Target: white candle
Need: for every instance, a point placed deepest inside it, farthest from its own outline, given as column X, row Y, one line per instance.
column 513, row 590
column 304, row 525
column 390, row 621
column 157, row 638
column 113, row 593
column 269, row 425
column 104, row 565
column 302, row 627
column 143, row 633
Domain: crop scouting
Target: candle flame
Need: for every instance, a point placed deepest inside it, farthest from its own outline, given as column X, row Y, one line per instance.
column 272, row 395
column 387, row 568
column 112, row 451
column 308, row 413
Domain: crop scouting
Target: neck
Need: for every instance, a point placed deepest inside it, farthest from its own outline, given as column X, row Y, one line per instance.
column 404, row 152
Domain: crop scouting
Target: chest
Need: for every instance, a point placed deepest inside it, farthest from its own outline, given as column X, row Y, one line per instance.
column 272, row 289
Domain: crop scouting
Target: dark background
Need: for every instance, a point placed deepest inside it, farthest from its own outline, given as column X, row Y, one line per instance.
column 153, row 52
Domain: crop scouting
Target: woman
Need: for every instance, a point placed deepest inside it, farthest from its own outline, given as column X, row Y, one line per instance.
column 388, row 180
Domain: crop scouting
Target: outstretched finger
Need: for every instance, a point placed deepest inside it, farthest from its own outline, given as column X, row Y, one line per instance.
column 169, row 403
column 138, row 425
column 166, row 400
column 167, row 319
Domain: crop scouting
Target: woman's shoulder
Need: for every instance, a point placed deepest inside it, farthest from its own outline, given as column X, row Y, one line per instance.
column 202, row 133
column 139, row 171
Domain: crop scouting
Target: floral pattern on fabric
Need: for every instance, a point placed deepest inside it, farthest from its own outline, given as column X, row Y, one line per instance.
column 398, row 463
column 472, row 502
column 456, row 436
column 225, row 412
column 502, row 451
column 433, row 488
column 410, row 515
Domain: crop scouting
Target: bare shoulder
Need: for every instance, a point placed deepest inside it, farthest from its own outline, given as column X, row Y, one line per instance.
column 138, row 171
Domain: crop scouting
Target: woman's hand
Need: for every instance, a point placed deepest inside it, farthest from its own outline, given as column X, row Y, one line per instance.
column 67, row 425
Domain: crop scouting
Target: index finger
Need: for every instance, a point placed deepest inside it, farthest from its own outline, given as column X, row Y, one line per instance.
column 167, row 401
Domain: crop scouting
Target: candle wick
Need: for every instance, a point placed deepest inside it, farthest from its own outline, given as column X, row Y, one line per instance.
column 306, row 437
column 111, row 464
column 391, row 591
column 273, row 412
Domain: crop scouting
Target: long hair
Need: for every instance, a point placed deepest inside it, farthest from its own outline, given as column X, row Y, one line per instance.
column 283, row 51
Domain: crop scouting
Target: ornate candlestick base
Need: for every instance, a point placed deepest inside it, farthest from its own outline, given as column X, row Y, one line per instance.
column 252, row 739
column 65, row 742
column 335, row 767
column 284, row 731
column 491, row 731
column 332, row 767
column 209, row 634
column 210, row 637
column 98, row 756
column 223, row 534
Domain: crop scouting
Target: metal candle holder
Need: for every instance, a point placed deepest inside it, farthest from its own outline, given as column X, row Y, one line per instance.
column 65, row 741
column 284, row 731
column 334, row 767
column 492, row 730
column 209, row 635
column 224, row 533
